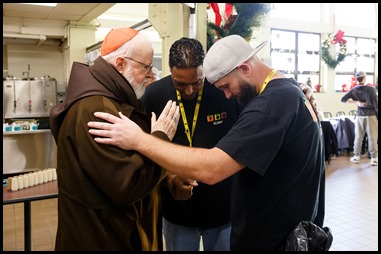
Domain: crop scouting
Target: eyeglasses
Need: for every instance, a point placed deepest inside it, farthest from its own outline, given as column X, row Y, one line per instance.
column 148, row 68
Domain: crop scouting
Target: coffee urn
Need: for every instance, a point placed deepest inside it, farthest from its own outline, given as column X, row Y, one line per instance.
column 28, row 144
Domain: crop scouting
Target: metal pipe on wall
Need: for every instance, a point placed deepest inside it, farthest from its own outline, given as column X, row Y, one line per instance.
column 40, row 38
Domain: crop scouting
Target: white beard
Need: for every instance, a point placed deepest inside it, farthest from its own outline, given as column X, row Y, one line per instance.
column 140, row 89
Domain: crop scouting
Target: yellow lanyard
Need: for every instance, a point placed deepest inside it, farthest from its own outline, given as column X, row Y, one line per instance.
column 271, row 74
column 182, row 110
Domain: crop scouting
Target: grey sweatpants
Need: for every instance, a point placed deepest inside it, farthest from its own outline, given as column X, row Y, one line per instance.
column 368, row 125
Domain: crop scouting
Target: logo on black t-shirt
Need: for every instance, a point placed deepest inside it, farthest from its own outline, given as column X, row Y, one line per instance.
column 216, row 118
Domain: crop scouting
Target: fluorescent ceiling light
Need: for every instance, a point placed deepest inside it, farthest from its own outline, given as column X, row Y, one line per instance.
column 43, row 4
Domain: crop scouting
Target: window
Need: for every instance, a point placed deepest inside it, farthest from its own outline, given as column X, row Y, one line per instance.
column 296, row 11
column 360, row 57
column 296, row 54
column 356, row 14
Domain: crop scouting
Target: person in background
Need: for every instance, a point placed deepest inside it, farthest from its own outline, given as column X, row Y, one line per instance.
column 307, row 90
column 366, row 120
column 193, row 211
column 108, row 197
column 274, row 151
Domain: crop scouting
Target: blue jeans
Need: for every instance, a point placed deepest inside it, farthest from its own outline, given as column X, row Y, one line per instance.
column 181, row 238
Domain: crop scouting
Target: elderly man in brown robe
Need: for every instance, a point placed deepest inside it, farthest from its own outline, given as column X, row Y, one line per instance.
column 108, row 197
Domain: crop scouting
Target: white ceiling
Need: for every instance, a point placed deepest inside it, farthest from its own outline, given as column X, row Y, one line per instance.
column 35, row 20
column 79, row 12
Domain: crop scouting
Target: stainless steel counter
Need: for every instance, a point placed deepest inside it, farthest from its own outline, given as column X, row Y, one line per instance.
column 25, row 151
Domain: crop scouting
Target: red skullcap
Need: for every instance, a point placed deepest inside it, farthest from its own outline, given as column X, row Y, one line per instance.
column 116, row 38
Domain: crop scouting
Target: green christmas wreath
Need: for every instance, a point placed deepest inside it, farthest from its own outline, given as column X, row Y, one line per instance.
column 334, row 39
column 248, row 17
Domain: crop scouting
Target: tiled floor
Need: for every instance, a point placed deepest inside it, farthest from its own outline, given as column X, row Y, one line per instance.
column 351, row 211
column 352, row 204
column 44, row 225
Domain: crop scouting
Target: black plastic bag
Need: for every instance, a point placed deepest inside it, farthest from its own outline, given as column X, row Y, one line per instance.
column 309, row 237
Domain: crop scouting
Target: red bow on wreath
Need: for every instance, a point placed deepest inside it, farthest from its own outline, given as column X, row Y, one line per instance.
column 339, row 37
column 216, row 10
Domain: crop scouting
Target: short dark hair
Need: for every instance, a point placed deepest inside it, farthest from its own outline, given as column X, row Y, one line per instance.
column 186, row 53
column 360, row 79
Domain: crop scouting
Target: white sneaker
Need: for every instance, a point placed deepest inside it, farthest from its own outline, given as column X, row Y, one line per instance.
column 355, row 159
column 374, row 161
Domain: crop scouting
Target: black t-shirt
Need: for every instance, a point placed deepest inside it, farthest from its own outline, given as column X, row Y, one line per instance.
column 210, row 204
column 279, row 139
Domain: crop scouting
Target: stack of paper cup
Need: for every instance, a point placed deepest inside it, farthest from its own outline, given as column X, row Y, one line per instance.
column 15, row 184
column 35, row 178
column 20, row 182
column 31, row 179
column 54, row 174
column 25, row 180
column 40, row 177
column 44, row 176
column 50, row 174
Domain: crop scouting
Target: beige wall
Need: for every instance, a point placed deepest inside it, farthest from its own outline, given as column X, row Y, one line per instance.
column 43, row 60
column 331, row 102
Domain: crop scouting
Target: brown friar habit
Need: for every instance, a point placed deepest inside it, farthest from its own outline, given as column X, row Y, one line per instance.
column 108, row 197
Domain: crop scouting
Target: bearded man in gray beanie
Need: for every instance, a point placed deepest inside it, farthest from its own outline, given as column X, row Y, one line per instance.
column 274, row 150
